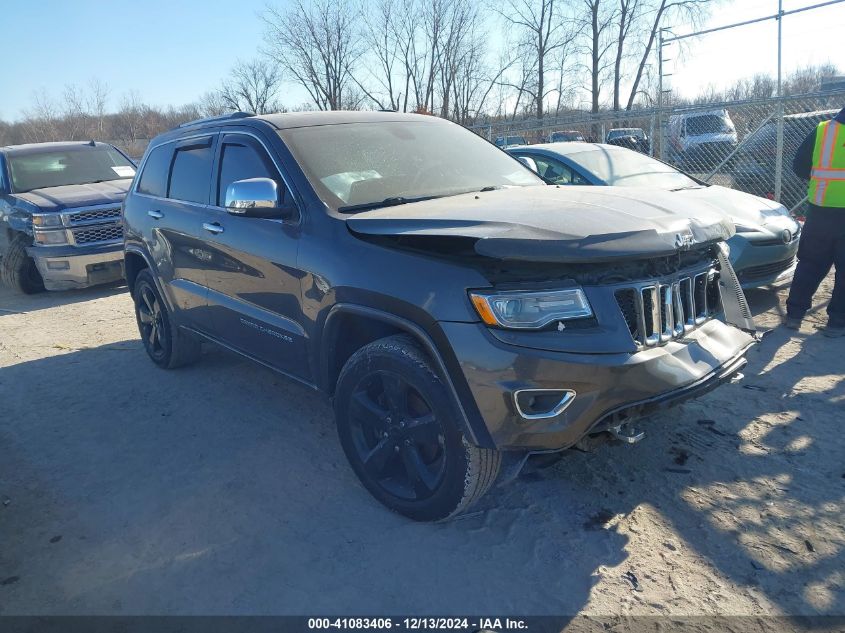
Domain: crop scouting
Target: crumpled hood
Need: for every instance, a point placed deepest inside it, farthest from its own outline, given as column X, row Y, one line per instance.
column 70, row 196
column 742, row 208
column 557, row 224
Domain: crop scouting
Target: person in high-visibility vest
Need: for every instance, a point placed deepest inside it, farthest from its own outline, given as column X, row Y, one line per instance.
column 821, row 159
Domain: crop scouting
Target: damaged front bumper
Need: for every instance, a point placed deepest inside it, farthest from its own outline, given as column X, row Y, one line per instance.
column 600, row 389
column 74, row 267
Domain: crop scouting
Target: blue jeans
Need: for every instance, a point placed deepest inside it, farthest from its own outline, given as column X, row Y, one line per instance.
column 822, row 246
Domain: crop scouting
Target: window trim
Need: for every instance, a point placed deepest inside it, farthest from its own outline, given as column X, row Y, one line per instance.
column 143, row 165
column 216, row 132
column 200, row 142
column 226, row 138
column 281, row 173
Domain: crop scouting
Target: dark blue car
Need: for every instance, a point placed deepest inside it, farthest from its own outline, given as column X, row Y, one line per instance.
column 60, row 221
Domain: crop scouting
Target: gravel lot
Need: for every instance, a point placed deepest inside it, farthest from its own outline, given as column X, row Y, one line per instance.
column 221, row 488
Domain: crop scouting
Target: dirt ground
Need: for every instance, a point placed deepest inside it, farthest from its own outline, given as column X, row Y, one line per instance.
column 221, row 488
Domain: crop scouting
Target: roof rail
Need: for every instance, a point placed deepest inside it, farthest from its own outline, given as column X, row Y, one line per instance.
column 221, row 117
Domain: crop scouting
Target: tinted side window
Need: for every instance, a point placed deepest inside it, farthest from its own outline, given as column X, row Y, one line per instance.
column 153, row 180
column 239, row 161
column 190, row 176
column 553, row 170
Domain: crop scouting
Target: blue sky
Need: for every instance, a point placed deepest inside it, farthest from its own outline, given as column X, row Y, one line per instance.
column 172, row 51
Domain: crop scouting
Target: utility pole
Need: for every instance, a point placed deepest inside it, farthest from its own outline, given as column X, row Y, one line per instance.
column 779, row 152
column 661, row 135
column 661, row 104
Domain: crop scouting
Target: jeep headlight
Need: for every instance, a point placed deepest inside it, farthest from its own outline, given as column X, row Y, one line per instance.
column 46, row 220
column 530, row 310
column 50, row 238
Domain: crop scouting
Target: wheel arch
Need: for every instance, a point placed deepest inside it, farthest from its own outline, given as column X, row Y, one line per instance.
column 134, row 262
column 370, row 324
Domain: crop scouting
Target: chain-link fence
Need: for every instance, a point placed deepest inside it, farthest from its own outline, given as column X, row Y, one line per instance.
column 733, row 144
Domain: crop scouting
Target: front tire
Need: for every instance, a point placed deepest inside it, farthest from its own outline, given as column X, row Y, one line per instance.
column 398, row 427
column 167, row 345
column 18, row 270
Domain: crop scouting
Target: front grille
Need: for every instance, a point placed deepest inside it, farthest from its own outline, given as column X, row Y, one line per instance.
column 766, row 270
column 92, row 215
column 656, row 312
column 98, row 233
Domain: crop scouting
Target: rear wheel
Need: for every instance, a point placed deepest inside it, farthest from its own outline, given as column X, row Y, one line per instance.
column 18, row 270
column 166, row 345
column 398, row 427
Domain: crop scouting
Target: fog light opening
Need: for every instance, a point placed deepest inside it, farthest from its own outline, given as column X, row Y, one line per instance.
column 539, row 404
column 57, row 265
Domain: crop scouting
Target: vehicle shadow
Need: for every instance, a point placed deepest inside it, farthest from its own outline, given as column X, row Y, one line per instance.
column 12, row 302
column 221, row 489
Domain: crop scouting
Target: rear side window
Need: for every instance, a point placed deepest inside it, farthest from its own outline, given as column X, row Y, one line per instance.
column 153, row 180
column 190, row 175
column 240, row 161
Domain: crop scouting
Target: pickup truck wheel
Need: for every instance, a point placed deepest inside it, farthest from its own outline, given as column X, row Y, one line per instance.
column 167, row 345
column 18, row 270
column 398, row 427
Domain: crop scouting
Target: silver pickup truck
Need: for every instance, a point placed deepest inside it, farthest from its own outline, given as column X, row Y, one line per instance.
column 60, row 218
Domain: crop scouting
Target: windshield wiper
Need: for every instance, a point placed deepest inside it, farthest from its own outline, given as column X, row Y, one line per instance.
column 387, row 202
column 685, row 187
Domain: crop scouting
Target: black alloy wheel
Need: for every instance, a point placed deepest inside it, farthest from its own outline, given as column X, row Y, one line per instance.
column 400, row 429
column 151, row 323
column 397, row 436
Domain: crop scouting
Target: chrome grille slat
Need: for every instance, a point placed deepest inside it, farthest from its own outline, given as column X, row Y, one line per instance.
column 669, row 308
column 667, row 313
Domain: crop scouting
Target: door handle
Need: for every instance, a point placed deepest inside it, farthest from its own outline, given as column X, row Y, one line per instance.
column 212, row 228
column 155, row 215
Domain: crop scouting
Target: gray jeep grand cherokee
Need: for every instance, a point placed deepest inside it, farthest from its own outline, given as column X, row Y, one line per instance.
column 460, row 313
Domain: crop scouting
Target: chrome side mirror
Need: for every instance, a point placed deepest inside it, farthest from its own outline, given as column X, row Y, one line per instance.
column 257, row 198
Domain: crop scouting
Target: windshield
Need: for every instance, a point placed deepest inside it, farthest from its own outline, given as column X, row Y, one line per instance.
column 365, row 163
column 638, row 133
column 626, row 168
column 511, row 140
column 567, row 136
column 708, row 124
column 77, row 165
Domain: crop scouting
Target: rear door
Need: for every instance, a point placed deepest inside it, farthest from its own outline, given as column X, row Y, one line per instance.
column 174, row 190
column 253, row 280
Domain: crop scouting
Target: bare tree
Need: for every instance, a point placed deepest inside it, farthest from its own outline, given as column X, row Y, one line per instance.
column 211, row 103
column 598, row 20
column 74, row 113
column 542, row 29
column 387, row 65
column 626, row 18
column 690, row 11
column 252, row 86
column 41, row 121
column 98, row 97
column 130, row 119
column 472, row 79
column 317, row 45
column 808, row 79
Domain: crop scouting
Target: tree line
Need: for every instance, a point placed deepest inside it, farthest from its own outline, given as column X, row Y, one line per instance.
column 551, row 57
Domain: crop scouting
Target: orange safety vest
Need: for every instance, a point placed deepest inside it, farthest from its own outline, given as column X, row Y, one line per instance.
column 827, row 178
